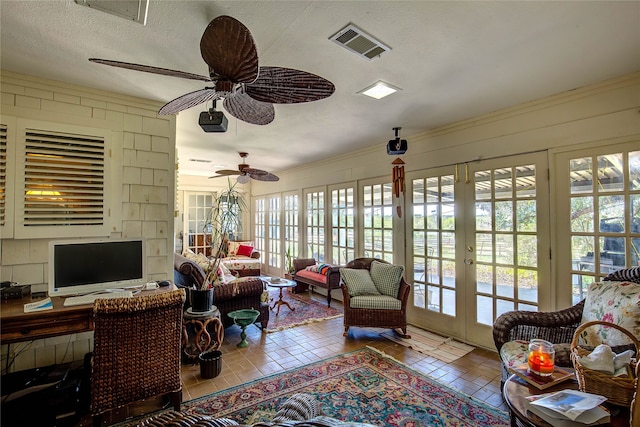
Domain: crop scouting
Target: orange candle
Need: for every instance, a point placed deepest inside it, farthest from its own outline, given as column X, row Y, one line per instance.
column 541, row 357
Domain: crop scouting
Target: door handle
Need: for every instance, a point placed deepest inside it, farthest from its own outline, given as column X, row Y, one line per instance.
column 468, row 261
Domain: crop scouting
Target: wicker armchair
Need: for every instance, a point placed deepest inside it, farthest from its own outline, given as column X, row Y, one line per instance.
column 556, row 327
column 376, row 318
column 136, row 351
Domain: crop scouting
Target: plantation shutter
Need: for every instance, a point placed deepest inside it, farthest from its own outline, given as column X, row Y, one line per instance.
column 60, row 181
column 3, row 176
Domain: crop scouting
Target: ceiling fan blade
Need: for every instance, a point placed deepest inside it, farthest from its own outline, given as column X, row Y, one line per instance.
column 260, row 175
column 281, row 85
column 227, row 46
column 187, row 100
column 243, row 107
column 150, row 69
column 226, row 172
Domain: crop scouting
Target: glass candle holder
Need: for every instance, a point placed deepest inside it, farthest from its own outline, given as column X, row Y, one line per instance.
column 541, row 357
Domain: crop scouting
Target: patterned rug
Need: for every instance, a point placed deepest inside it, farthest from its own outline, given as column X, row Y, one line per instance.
column 306, row 311
column 436, row 346
column 365, row 386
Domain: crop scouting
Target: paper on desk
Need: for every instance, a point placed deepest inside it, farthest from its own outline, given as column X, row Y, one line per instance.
column 44, row 304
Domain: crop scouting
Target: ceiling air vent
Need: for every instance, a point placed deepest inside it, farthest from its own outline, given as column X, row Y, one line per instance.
column 134, row 10
column 359, row 42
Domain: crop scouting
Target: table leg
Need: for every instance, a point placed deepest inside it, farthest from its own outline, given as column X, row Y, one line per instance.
column 281, row 302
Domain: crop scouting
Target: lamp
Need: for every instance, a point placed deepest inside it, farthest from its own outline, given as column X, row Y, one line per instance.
column 243, row 179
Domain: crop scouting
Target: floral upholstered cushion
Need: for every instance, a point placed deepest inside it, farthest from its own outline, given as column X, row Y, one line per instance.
column 514, row 353
column 613, row 302
column 358, row 282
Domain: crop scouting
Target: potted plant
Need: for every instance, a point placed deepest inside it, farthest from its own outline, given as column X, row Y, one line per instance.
column 223, row 221
column 289, row 266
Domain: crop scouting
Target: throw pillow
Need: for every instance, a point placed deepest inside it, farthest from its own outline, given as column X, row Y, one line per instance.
column 244, row 250
column 233, row 246
column 386, row 277
column 614, row 302
column 358, row 282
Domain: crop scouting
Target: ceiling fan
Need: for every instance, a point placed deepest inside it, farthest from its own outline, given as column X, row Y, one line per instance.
column 245, row 172
column 249, row 91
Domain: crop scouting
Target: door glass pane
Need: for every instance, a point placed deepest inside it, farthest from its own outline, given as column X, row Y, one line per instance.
column 506, row 246
column 610, row 176
column 581, row 171
column 315, row 225
column 291, row 237
column 342, row 226
column 434, row 244
column 634, row 170
column 378, row 221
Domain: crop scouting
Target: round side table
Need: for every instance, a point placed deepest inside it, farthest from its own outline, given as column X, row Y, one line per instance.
column 201, row 331
column 516, row 391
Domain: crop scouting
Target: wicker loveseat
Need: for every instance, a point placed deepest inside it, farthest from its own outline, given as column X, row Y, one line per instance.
column 244, row 293
column 305, row 277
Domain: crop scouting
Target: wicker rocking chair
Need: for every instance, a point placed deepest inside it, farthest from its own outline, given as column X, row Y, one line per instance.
column 136, row 351
column 376, row 318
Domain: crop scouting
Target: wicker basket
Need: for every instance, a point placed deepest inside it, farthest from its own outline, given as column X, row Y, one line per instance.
column 618, row 390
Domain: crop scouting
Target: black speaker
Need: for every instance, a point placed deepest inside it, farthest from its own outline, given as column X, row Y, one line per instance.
column 397, row 146
column 213, row 121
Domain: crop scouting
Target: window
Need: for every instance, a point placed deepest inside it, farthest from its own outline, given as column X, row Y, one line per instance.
column 58, row 180
column 260, row 224
column 291, row 238
column 342, row 226
column 604, row 197
column 377, row 215
column 315, row 225
column 274, row 232
column 198, row 225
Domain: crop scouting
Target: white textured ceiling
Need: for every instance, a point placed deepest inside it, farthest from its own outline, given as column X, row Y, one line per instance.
column 453, row 60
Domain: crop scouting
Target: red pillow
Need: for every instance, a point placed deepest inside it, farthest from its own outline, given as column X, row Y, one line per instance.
column 244, row 250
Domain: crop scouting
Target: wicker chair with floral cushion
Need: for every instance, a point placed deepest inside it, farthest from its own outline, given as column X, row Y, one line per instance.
column 615, row 299
column 374, row 295
column 136, row 352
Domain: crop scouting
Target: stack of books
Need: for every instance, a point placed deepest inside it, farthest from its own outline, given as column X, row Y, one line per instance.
column 569, row 408
column 559, row 375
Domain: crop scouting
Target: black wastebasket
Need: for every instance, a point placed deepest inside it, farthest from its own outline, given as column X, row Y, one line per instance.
column 210, row 363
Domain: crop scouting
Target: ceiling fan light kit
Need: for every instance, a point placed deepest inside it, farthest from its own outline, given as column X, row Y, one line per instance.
column 213, row 121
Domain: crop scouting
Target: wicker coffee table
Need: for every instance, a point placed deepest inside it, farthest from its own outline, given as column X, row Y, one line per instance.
column 516, row 391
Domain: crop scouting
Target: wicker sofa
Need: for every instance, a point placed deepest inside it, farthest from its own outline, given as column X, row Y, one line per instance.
column 226, row 297
column 305, row 278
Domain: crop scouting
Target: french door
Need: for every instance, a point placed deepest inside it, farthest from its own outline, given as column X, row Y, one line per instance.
column 478, row 244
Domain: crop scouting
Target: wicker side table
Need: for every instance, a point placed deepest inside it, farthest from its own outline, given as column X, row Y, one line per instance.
column 201, row 331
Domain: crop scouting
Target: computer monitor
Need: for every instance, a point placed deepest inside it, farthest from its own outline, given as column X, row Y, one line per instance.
column 79, row 267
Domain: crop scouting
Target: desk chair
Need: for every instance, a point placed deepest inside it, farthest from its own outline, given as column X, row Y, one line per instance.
column 136, row 351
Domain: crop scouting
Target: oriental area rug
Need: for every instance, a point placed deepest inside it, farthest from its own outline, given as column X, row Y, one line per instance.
column 364, row 386
column 305, row 311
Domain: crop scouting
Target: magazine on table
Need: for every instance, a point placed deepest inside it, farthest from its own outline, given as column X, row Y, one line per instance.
column 569, row 408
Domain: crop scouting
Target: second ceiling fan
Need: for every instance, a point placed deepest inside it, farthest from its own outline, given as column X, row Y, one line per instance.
column 249, row 91
column 245, row 172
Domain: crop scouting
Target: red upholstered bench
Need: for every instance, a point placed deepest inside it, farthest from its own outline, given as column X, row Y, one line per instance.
column 305, row 278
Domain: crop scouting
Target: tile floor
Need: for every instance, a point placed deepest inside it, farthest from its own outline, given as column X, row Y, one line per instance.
column 476, row 374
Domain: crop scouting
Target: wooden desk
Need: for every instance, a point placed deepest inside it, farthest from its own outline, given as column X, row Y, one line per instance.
column 17, row 326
